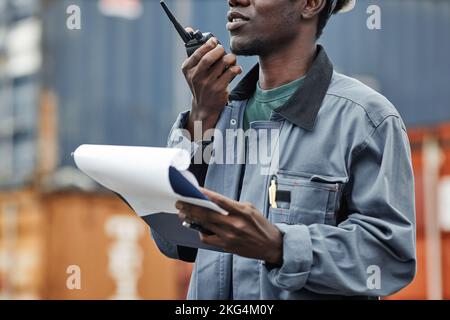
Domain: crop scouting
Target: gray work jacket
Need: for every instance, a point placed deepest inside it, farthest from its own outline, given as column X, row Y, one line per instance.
column 344, row 168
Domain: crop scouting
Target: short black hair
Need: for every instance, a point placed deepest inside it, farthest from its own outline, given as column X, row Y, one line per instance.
column 324, row 15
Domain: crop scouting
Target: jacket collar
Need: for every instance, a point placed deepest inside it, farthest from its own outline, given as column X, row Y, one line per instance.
column 302, row 108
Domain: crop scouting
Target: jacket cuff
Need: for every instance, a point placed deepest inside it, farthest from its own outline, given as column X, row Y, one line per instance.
column 297, row 258
column 179, row 137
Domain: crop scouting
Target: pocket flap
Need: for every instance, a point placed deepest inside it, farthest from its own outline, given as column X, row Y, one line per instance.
column 328, row 179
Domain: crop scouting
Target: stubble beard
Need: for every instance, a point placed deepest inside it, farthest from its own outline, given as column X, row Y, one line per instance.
column 255, row 47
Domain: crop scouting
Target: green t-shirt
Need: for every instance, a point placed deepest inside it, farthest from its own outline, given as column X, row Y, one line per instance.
column 263, row 102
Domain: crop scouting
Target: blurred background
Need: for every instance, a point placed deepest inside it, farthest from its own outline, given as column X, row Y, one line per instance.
column 116, row 80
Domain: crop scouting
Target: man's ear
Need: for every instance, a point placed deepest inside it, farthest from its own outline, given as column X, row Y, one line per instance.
column 312, row 8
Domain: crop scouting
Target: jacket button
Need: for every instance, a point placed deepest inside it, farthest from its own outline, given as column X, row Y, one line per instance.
column 233, row 122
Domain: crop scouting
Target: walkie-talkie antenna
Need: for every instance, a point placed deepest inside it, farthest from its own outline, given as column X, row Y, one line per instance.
column 183, row 33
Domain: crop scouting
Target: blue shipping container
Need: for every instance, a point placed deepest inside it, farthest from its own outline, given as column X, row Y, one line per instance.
column 119, row 81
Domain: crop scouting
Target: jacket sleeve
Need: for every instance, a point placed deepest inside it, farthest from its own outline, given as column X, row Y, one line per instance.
column 372, row 252
column 178, row 139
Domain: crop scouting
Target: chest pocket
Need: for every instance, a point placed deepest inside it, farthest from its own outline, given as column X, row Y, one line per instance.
column 306, row 199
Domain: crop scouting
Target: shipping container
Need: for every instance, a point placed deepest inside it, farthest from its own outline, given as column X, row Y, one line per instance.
column 406, row 60
column 47, row 239
column 22, row 246
column 20, row 65
column 114, row 78
column 117, row 80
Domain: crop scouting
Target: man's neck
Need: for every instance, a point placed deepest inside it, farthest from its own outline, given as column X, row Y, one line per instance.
column 285, row 66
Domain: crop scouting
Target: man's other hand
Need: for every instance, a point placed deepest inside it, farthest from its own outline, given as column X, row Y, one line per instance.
column 245, row 231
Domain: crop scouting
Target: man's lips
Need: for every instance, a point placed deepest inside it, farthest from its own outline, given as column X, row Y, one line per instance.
column 236, row 20
column 235, row 25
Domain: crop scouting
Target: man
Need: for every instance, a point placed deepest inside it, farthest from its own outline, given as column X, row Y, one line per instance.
column 334, row 216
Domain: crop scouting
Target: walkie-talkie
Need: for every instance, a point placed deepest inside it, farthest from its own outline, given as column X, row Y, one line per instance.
column 192, row 40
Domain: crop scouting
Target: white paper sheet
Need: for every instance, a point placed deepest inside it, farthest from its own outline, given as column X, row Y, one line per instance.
column 140, row 175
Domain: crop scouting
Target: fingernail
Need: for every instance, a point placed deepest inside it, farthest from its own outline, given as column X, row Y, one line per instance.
column 213, row 40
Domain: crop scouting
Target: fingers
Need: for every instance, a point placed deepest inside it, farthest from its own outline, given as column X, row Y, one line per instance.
column 210, row 58
column 223, row 202
column 230, row 74
column 206, row 218
column 189, row 29
column 220, row 66
column 193, row 60
column 212, row 240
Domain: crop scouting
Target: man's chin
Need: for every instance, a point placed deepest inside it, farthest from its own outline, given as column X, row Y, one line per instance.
column 245, row 48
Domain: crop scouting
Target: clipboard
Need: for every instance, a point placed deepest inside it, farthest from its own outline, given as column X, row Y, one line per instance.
column 150, row 181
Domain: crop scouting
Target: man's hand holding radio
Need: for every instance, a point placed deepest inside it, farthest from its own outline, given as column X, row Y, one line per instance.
column 208, row 73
